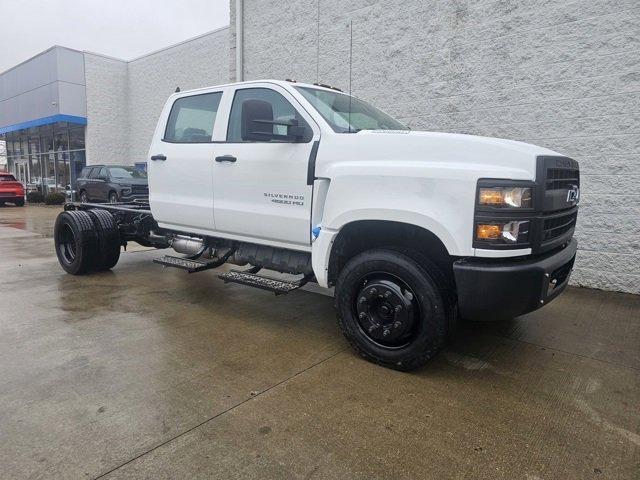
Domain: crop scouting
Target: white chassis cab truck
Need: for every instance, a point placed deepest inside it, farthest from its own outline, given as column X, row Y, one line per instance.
column 413, row 229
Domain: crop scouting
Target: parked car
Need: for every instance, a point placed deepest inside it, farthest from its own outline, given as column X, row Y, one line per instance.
column 11, row 190
column 112, row 183
column 412, row 228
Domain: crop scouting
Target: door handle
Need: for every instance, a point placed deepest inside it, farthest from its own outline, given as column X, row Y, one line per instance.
column 226, row 158
column 158, row 157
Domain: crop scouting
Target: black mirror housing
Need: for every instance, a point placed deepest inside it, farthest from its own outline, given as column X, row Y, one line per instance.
column 295, row 133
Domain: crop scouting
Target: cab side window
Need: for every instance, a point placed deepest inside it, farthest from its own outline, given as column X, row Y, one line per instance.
column 192, row 118
column 94, row 172
column 255, row 114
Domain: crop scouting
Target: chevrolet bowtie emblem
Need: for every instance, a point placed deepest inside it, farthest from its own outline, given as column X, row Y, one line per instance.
column 573, row 195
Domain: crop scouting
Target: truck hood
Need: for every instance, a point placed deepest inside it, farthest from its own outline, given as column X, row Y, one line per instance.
column 488, row 157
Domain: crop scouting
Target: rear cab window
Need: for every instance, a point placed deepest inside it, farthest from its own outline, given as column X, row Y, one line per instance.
column 7, row 178
column 192, row 118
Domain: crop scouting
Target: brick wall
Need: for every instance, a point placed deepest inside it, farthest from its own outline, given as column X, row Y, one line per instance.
column 201, row 62
column 557, row 73
column 124, row 99
column 107, row 138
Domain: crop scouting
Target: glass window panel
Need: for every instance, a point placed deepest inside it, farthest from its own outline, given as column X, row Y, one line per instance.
column 24, row 148
column 191, row 119
column 62, row 171
column 36, row 173
column 61, row 141
column 76, row 138
column 34, row 145
column 46, row 143
column 253, row 109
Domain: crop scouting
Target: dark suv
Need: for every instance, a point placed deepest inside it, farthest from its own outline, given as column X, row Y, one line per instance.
column 112, row 183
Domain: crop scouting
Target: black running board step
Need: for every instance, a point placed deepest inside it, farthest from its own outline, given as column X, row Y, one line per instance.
column 279, row 287
column 191, row 266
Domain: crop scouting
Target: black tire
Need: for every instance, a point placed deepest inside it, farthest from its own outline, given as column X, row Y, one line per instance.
column 83, row 197
column 20, row 203
column 113, row 197
column 108, row 239
column 369, row 290
column 76, row 242
column 446, row 285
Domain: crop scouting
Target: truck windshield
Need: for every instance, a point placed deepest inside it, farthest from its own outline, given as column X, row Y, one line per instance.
column 334, row 108
column 126, row 172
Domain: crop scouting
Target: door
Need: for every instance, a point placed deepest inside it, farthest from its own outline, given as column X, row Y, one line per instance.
column 181, row 164
column 101, row 185
column 260, row 177
column 91, row 185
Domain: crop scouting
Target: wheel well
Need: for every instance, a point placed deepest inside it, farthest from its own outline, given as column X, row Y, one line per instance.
column 357, row 237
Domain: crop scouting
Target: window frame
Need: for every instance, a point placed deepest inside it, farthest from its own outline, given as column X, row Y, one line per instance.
column 263, row 87
column 215, row 120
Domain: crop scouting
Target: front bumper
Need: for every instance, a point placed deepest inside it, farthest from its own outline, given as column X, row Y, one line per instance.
column 134, row 196
column 492, row 289
column 11, row 197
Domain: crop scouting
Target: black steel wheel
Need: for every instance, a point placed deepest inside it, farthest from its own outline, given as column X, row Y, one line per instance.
column 108, row 239
column 76, row 242
column 391, row 308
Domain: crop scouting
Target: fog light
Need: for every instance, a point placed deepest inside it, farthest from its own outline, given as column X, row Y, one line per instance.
column 514, row 231
column 488, row 232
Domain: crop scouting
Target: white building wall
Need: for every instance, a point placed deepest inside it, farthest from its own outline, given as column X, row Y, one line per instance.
column 107, row 136
column 200, row 62
column 124, row 99
column 560, row 74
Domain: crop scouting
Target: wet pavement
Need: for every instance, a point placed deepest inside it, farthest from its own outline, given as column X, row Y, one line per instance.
column 149, row 373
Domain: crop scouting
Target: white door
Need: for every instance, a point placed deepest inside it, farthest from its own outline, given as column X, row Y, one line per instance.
column 180, row 166
column 260, row 175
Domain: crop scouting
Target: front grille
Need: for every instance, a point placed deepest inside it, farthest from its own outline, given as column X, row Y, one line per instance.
column 558, row 225
column 562, row 178
column 140, row 189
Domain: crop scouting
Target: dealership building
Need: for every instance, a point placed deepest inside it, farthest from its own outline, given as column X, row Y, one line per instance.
column 564, row 75
column 63, row 108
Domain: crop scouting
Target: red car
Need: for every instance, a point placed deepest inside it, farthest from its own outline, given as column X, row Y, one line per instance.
column 11, row 190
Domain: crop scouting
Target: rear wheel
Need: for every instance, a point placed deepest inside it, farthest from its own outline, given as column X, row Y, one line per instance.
column 20, row 203
column 76, row 242
column 391, row 309
column 108, row 239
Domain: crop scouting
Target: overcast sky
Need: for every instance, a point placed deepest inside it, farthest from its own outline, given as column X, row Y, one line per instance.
column 120, row 28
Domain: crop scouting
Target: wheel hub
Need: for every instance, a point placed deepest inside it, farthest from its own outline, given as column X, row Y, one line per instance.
column 385, row 311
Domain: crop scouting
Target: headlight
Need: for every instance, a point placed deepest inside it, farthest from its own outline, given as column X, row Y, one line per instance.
column 507, row 232
column 505, row 197
column 126, row 190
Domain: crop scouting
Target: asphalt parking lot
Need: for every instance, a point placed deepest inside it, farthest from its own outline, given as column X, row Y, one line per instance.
column 149, row 373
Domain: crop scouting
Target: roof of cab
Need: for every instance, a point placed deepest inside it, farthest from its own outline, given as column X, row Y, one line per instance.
column 282, row 83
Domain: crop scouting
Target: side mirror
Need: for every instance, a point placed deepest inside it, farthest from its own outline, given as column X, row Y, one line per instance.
column 295, row 131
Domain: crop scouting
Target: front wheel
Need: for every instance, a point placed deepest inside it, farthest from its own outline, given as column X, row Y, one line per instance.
column 20, row 203
column 113, row 197
column 83, row 197
column 391, row 309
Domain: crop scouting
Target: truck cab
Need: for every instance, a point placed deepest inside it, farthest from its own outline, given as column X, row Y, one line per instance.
column 413, row 229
